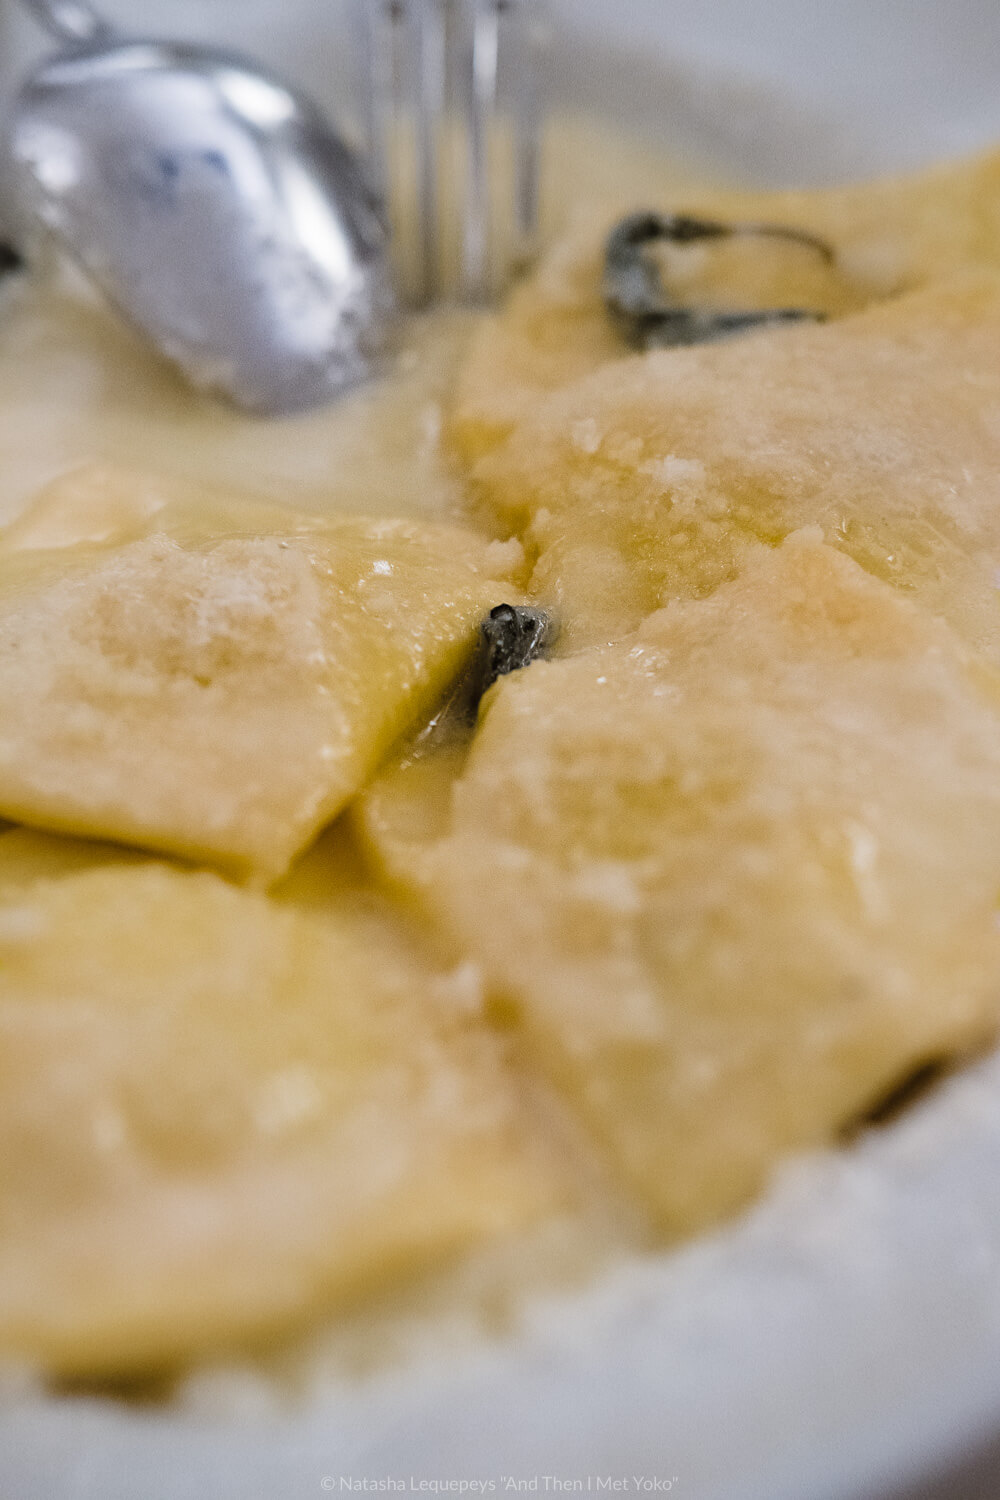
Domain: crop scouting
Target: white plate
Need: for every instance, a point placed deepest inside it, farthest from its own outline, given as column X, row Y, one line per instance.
column 843, row 1339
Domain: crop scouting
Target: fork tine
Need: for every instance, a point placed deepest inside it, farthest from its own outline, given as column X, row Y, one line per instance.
column 478, row 208
column 377, row 28
column 390, row 34
column 527, row 108
column 431, row 52
column 442, row 75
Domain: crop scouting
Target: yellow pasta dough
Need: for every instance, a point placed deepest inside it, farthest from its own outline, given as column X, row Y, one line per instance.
column 734, row 876
column 887, row 237
column 649, row 479
column 213, row 678
column 219, row 1118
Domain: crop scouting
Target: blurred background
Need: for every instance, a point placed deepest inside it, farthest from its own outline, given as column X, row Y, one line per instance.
column 788, row 90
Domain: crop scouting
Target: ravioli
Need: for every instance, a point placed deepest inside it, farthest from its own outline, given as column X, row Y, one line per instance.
column 219, row 1118
column 213, row 678
column 553, row 327
column 652, row 478
column 887, row 237
column 732, row 878
column 405, row 812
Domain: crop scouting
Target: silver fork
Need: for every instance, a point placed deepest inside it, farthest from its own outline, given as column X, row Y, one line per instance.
column 453, row 116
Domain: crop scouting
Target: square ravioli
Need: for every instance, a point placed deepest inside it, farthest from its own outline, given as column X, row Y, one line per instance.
column 214, row 678
column 731, row 879
column 653, row 477
column 219, row 1118
column 885, row 237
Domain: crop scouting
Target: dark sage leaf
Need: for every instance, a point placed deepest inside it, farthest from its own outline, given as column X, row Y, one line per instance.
column 511, row 636
column 639, row 303
column 9, row 259
column 908, row 1090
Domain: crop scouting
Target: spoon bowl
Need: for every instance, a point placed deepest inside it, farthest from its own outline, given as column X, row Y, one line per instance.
column 216, row 209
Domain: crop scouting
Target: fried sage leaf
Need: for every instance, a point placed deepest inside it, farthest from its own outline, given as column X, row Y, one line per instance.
column 511, row 637
column 641, row 306
column 10, row 260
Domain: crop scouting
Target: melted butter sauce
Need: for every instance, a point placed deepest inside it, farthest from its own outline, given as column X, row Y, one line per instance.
column 378, row 452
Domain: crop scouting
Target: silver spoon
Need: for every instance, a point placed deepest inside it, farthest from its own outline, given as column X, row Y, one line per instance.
column 216, row 208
